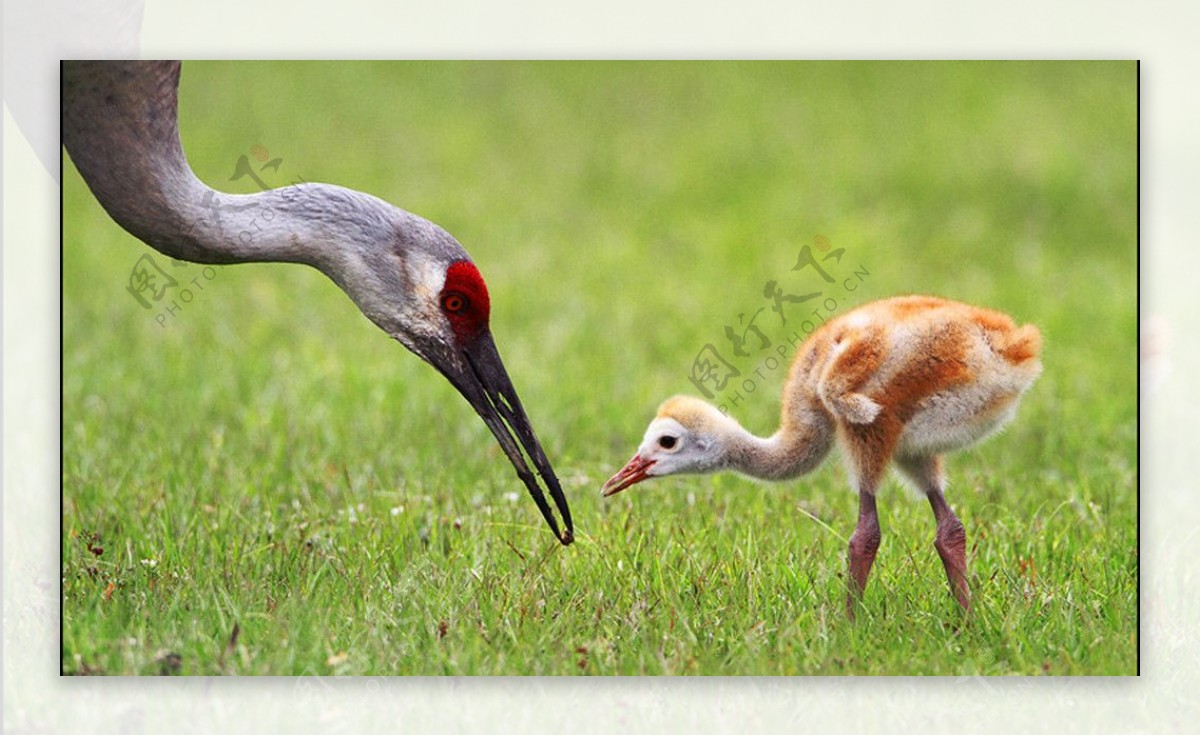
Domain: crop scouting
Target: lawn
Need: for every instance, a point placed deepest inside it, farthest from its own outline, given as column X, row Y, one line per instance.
column 262, row 482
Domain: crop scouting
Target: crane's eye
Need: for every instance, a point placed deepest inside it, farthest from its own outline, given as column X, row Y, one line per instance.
column 454, row 303
column 667, row 442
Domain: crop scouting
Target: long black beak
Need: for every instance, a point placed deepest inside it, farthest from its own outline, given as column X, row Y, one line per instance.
column 485, row 384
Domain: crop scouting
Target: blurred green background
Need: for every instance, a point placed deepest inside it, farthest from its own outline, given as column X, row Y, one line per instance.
column 268, row 457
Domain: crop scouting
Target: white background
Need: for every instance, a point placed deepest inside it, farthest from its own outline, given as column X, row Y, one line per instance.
column 1163, row 35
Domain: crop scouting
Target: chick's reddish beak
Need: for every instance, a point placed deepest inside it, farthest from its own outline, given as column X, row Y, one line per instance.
column 635, row 471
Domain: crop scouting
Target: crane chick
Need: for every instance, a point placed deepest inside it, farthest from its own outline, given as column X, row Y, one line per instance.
column 906, row 379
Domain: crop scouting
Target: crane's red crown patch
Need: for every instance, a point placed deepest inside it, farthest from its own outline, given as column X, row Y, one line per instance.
column 464, row 299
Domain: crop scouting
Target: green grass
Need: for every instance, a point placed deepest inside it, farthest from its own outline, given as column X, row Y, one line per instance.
column 291, row 470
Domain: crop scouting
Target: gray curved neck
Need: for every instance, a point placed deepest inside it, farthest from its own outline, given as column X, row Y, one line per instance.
column 120, row 129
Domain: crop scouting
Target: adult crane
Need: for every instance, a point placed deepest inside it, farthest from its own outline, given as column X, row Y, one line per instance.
column 407, row 275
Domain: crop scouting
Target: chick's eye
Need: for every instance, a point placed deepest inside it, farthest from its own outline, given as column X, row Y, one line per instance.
column 667, row 442
column 454, row 303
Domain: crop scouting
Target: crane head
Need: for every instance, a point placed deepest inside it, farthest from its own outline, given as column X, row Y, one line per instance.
column 688, row 436
column 443, row 316
column 418, row 284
